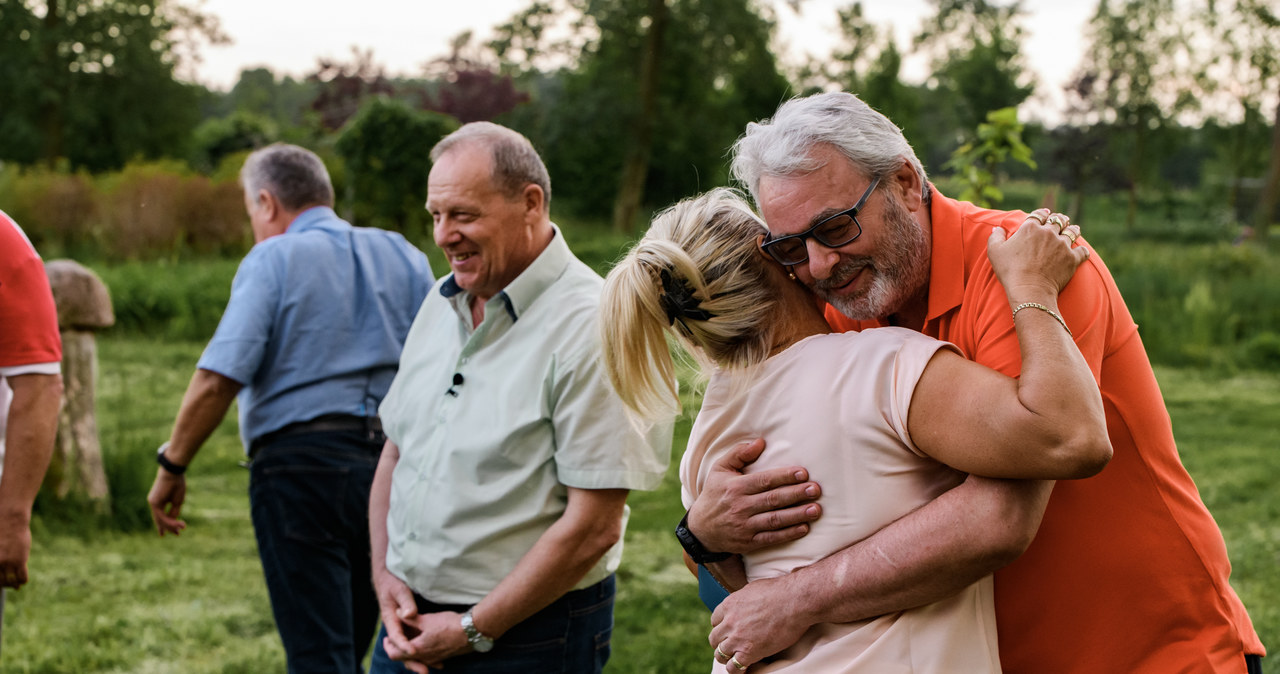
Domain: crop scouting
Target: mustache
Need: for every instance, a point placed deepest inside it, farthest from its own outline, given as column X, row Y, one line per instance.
column 842, row 272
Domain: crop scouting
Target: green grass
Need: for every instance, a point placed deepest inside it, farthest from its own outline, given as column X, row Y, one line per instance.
column 108, row 596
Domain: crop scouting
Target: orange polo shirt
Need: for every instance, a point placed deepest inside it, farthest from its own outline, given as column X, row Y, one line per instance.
column 1128, row 572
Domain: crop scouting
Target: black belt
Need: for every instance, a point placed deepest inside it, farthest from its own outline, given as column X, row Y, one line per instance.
column 323, row 424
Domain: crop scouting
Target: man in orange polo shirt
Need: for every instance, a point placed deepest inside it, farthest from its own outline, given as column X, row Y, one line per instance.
column 1127, row 571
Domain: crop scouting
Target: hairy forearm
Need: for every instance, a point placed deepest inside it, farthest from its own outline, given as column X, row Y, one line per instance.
column 208, row 397
column 29, row 436
column 556, row 563
column 928, row 555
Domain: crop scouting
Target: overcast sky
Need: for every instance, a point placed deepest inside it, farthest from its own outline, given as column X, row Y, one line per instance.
column 288, row 36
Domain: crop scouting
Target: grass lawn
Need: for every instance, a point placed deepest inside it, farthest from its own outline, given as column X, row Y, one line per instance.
column 106, row 600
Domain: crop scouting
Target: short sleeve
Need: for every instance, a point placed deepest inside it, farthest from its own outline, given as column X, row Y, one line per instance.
column 1085, row 304
column 897, row 358
column 27, row 312
column 597, row 445
column 237, row 348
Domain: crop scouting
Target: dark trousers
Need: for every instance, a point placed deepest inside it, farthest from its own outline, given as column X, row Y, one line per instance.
column 309, row 497
column 571, row 636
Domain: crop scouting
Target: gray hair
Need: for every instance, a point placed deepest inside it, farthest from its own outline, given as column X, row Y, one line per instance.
column 294, row 175
column 515, row 162
column 709, row 245
column 782, row 146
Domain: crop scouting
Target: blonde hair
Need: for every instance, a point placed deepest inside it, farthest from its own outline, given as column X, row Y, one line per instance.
column 708, row 247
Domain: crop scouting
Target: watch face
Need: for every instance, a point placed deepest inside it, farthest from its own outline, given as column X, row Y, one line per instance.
column 482, row 645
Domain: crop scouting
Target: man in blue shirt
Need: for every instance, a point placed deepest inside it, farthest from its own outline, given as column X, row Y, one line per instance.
column 310, row 340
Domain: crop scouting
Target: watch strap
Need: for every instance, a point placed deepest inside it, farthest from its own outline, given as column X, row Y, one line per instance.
column 694, row 547
column 166, row 463
column 479, row 642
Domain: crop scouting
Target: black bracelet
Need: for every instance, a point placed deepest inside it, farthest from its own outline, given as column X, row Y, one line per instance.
column 697, row 552
column 166, row 464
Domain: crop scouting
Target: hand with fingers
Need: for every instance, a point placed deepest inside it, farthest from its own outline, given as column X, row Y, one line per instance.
column 1040, row 256
column 756, row 622
column 15, row 547
column 168, row 492
column 740, row 512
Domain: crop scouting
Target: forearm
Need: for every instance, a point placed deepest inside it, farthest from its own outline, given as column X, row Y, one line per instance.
column 1056, row 386
column 731, row 573
column 932, row 553
column 29, row 437
column 208, row 397
column 560, row 559
column 380, row 505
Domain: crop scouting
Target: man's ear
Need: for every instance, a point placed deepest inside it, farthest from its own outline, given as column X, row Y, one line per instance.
column 269, row 205
column 909, row 188
column 534, row 201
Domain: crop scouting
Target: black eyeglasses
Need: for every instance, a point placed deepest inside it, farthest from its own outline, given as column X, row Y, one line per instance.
column 838, row 230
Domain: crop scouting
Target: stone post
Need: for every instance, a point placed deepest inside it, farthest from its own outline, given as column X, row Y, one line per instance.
column 83, row 307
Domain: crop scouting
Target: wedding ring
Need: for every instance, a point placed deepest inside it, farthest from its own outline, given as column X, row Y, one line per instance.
column 734, row 661
column 720, row 655
column 1038, row 217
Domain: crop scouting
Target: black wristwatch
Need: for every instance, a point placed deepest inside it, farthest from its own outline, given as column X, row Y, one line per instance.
column 166, row 464
column 694, row 547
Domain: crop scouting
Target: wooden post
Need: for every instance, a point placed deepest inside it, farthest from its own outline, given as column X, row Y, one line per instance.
column 84, row 306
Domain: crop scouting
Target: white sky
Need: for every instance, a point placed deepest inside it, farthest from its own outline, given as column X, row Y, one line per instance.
column 288, row 36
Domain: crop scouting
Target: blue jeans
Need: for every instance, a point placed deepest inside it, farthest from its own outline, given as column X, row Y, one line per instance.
column 571, row 636
column 309, row 497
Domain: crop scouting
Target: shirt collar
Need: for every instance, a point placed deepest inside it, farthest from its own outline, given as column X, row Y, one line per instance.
column 529, row 285
column 317, row 217
column 946, row 267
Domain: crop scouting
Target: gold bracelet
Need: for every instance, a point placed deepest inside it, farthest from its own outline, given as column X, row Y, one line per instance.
column 1047, row 310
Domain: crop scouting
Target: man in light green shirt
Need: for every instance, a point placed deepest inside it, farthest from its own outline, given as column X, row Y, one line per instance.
column 499, row 505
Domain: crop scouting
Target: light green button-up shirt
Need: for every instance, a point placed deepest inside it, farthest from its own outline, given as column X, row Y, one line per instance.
column 485, row 463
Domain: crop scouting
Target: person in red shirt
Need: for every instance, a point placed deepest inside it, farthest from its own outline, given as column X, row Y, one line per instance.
column 30, row 392
column 1125, row 571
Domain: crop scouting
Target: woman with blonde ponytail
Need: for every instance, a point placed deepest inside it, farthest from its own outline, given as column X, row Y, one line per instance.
column 887, row 419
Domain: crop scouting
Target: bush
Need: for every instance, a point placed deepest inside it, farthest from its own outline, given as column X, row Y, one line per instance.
column 167, row 300
column 145, row 211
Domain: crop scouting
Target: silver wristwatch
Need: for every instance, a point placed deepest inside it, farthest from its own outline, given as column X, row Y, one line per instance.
column 479, row 642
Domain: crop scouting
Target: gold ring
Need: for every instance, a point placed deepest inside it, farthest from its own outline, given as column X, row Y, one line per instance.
column 1057, row 221
column 1072, row 236
column 1038, row 217
column 720, row 655
column 734, row 661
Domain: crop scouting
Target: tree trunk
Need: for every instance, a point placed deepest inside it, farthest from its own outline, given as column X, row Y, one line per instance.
column 54, row 97
column 1270, row 195
column 635, row 167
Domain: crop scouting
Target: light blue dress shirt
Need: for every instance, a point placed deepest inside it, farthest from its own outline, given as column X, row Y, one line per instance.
column 316, row 321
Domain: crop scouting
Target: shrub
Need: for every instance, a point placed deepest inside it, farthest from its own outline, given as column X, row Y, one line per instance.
column 147, row 210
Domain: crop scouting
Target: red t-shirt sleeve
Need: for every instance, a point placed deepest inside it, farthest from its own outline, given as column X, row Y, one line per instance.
column 28, row 317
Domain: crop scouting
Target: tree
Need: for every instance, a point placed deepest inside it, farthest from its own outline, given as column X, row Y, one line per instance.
column 1134, row 78
column 385, row 152
column 977, row 162
column 976, row 50
column 219, row 137
column 635, row 166
column 1245, row 74
column 100, row 72
column 715, row 74
column 467, row 87
column 343, row 87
